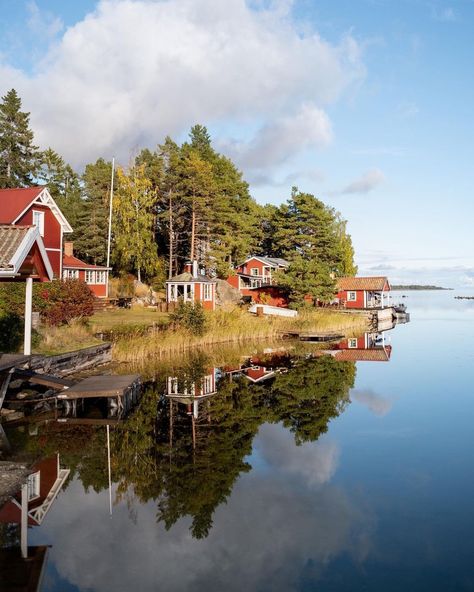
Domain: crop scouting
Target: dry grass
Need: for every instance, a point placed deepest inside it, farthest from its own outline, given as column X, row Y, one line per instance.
column 233, row 326
column 56, row 340
column 137, row 316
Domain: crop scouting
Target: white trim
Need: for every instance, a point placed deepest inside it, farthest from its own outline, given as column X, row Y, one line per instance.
column 52, row 249
column 349, row 292
column 44, row 198
column 39, row 214
column 21, row 253
column 276, row 266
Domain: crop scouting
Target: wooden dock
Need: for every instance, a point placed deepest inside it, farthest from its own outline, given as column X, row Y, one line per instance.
column 120, row 391
column 311, row 336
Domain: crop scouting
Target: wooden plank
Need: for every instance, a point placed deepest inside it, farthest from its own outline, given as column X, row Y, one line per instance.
column 100, row 386
column 89, row 421
column 8, row 361
column 44, row 379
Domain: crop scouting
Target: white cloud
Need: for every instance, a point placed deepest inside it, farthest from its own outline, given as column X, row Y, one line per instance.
column 135, row 70
column 314, row 462
column 284, row 137
column 376, row 403
column 44, row 24
column 364, row 184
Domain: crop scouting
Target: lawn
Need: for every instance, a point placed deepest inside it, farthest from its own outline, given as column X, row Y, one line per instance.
column 136, row 316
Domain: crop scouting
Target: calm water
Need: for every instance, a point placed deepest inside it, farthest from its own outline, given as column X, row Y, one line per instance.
column 327, row 475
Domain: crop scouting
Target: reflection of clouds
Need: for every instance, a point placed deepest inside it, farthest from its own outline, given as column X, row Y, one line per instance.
column 265, row 537
column 315, row 462
column 376, row 403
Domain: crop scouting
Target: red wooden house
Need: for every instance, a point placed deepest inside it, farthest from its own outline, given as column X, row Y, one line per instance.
column 255, row 279
column 34, row 206
column 192, row 286
column 95, row 276
column 45, row 481
column 369, row 347
column 363, row 292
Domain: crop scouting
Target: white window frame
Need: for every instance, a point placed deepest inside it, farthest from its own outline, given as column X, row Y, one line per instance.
column 352, row 343
column 351, row 296
column 34, row 482
column 254, row 271
column 39, row 222
column 90, row 276
column 101, row 277
column 70, row 274
column 207, row 292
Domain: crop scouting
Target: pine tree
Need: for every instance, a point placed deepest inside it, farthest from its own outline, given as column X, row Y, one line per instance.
column 63, row 184
column 92, row 222
column 18, row 155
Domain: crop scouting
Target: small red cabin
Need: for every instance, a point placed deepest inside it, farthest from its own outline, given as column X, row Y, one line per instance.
column 95, row 276
column 34, row 206
column 255, row 278
column 363, row 292
column 192, row 286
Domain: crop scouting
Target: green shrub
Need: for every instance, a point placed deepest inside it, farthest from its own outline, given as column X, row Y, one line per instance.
column 11, row 332
column 190, row 317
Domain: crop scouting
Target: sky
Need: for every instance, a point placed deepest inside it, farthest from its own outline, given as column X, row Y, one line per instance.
column 367, row 104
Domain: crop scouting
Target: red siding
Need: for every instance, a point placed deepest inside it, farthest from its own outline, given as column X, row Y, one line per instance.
column 358, row 303
column 271, row 295
column 52, row 234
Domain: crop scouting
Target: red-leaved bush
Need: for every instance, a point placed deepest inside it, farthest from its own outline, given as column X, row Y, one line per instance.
column 65, row 301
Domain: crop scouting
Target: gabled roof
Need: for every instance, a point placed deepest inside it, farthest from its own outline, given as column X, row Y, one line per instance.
column 188, row 277
column 15, row 202
column 69, row 261
column 16, row 243
column 272, row 261
column 375, row 283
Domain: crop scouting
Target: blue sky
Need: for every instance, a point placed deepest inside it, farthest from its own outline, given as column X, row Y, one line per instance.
column 365, row 103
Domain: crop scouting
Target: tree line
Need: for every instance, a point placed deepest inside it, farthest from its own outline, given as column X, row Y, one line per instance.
column 177, row 203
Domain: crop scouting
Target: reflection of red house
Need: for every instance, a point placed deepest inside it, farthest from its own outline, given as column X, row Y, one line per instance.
column 369, row 347
column 363, row 292
column 34, row 206
column 44, row 483
column 255, row 278
column 94, row 276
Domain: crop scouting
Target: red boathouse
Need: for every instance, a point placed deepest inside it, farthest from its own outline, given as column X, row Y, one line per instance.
column 363, row 292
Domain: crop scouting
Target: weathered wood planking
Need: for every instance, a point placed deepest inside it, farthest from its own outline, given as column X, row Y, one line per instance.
column 101, row 386
column 8, row 361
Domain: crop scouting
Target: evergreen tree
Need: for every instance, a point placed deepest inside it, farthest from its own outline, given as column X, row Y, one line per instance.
column 18, row 155
column 92, row 222
column 63, row 184
column 307, row 278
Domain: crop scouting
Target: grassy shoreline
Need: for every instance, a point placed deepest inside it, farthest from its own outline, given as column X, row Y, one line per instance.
column 139, row 335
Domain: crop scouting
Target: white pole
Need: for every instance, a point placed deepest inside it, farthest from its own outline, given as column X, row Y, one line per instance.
column 24, row 521
column 28, row 312
column 110, row 225
column 110, row 471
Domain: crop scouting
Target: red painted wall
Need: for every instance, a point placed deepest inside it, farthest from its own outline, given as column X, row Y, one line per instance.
column 344, row 344
column 52, row 234
column 251, row 263
column 206, row 304
column 358, row 303
column 271, row 295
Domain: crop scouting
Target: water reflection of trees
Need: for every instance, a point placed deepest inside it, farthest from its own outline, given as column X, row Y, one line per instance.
column 189, row 465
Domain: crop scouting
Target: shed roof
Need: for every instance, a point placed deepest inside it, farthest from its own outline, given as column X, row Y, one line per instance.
column 11, row 238
column 375, row 283
column 188, row 277
column 16, row 243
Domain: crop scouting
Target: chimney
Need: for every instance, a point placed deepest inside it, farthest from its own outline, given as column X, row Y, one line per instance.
column 195, row 269
column 188, row 267
column 69, row 249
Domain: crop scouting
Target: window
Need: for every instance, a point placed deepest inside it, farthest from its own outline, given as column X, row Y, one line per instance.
column 255, row 283
column 352, row 343
column 90, row 276
column 71, row 274
column 207, row 291
column 254, row 271
column 38, row 220
column 100, row 277
column 351, row 296
column 33, row 486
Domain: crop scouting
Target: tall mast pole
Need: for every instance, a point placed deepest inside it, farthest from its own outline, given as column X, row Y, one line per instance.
column 110, row 225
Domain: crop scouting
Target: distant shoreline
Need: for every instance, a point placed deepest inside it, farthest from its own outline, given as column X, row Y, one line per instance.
column 419, row 287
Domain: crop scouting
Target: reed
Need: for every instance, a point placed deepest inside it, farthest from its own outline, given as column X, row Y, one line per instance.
column 232, row 326
column 55, row 340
